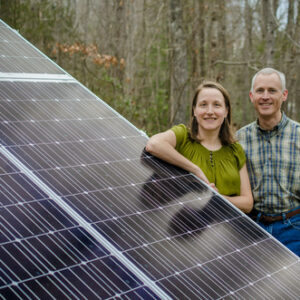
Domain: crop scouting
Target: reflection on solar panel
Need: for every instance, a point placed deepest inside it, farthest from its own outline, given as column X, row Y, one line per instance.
column 86, row 213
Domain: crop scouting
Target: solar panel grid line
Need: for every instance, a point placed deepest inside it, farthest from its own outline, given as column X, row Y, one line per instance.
column 20, row 65
column 40, row 219
column 46, row 292
column 19, row 267
column 74, row 158
column 109, row 280
column 294, row 292
column 91, row 174
column 28, row 253
column 55, row 152
column 165, row 259
column 68, row 184
column 193, row 292
column 86, row 225
column 233, row 277
column 285, row 291
column 10, row 49
column 204, row 283
column 7, row 34
column 109, row 287
column 220, row 286
column 18, row 138
column 117, row 113
column 71, row 256
column 29, row 294
column 132, row 215
column 195, row 262
column 229, row 282
column 27, row 256
column 124, row 271
column 63, row 243
column 151, row 222
column 20, row 230
column 35, row 77
column 79, row 279
column 7, row 192
column 264, row 254
column 228, row 246
column 184, row 288
column 12, row 212
column 38, row 107
column 262, row 290
column 49, row 294
column 264, row 275
column 6, row 167
column 159, row 259
column 30, row 129
column 11, row 194
column 27, row 215
column 240, row 260
column 57, row 156
column 150, row 270
column 127, row 122
column 44, row 157
column 120, row 278
column 267, row 248
column 91, row 210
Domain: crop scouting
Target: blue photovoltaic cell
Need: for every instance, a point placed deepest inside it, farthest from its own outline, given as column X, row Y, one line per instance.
column 44, row 251
column 87, row 213
column 6, row 166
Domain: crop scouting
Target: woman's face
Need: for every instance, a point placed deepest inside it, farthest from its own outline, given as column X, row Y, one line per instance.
column 210, row 110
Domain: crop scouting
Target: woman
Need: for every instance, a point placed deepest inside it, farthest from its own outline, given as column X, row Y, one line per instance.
column 208, row 149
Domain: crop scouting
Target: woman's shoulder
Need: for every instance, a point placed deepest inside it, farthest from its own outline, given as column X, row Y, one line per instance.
column 237, row 147
column 182, row 134
column 180, row 128
column 238, row 152
column 180, row 131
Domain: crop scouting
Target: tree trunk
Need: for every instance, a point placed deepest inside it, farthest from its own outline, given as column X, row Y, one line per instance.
column 178, row 65
column 222, row 37
column 268, row 30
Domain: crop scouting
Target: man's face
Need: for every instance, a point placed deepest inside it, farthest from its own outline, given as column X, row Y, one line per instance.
column 267, row 95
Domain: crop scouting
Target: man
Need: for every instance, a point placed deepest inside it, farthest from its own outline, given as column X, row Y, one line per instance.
column 272, row 146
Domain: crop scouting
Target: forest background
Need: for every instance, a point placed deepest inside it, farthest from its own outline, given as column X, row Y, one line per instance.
column 145, row 58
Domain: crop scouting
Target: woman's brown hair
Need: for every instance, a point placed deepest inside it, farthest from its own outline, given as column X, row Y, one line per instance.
column 225, row 134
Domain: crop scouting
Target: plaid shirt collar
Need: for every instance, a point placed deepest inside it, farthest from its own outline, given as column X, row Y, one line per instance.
column 283, row 122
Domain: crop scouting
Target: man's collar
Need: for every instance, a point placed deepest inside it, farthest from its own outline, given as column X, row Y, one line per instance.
column 278, row 127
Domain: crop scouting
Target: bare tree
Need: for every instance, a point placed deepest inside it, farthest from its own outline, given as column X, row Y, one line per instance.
column 268, row 31
column 178, row 65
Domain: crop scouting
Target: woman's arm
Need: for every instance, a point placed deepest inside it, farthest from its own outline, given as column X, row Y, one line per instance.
column 245, row 201
column 162, row 145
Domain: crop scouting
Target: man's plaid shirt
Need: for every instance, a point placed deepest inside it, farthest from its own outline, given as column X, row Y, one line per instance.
column 273, row 162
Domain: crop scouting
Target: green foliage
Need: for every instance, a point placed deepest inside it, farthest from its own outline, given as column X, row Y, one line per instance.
column 42, row 22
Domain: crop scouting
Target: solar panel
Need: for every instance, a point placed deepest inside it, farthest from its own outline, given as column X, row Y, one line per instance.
column 87, row 213
column 18, row 56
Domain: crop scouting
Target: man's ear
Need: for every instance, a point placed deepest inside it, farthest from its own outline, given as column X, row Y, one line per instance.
column 284, row 95
column 251, row 96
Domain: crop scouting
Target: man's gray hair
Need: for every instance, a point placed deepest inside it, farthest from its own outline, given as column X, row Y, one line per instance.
column 268, row 71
